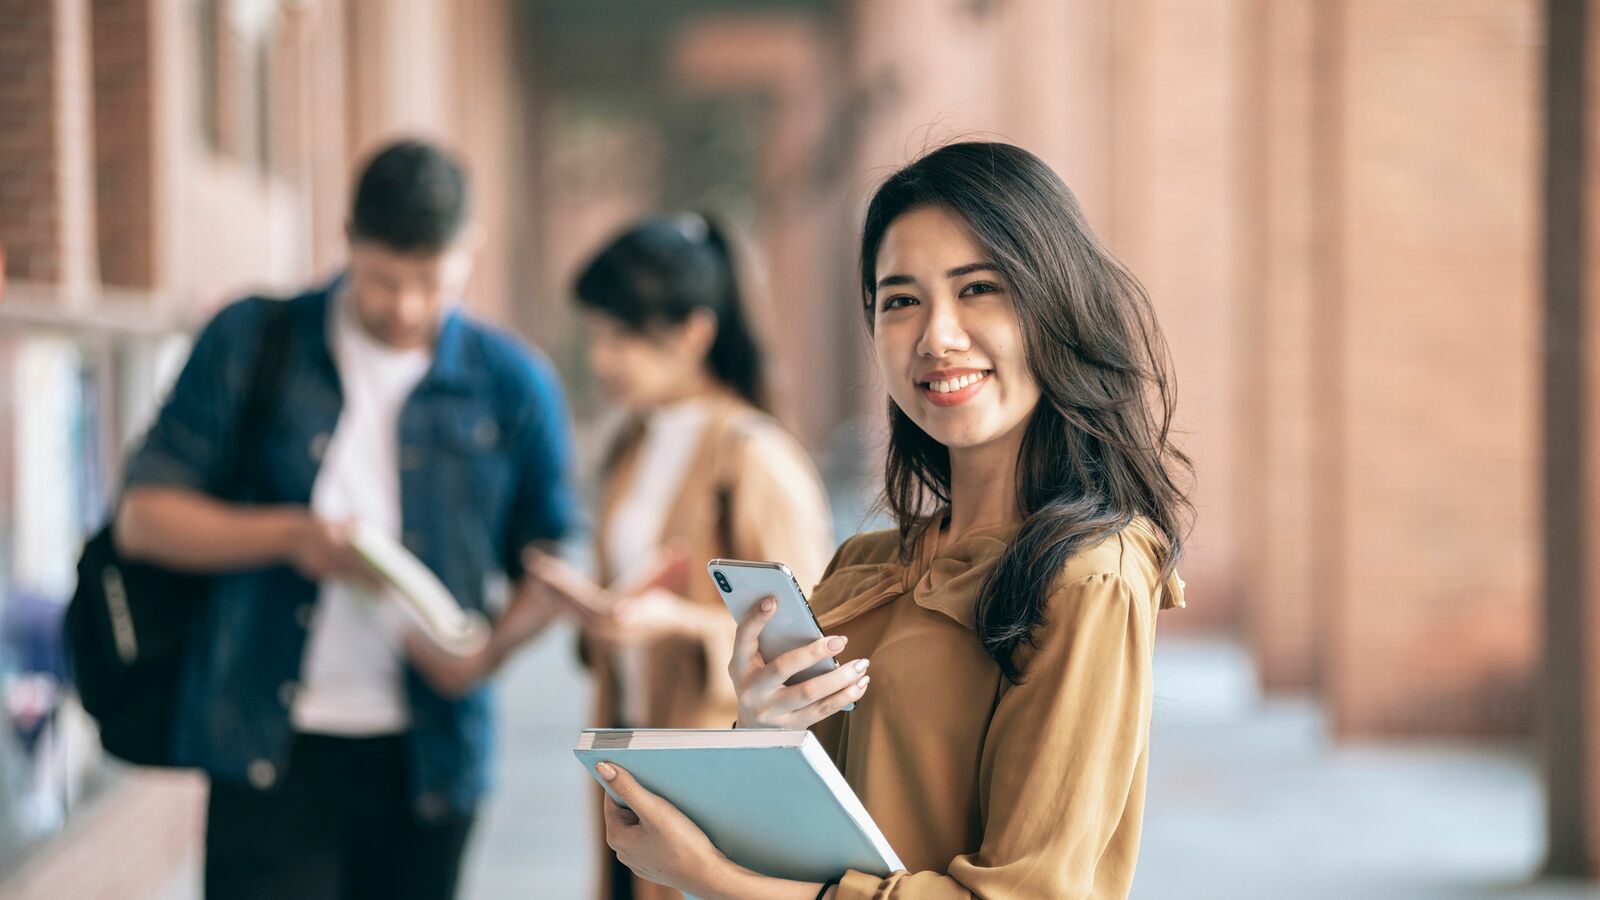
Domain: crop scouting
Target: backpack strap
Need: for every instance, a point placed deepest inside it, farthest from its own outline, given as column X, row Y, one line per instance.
column 266, row 381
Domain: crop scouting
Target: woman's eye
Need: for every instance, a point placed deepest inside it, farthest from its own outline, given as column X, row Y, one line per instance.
column 897, row 301
column 979, row 287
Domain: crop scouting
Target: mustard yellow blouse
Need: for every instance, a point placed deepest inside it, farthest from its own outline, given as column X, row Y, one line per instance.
column 982, row 787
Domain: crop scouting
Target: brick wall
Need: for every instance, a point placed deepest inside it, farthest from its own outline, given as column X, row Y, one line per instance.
column 1586, row 638
column 487, row 128
column 1056, row 93
column 1436, row 421
column 1176, row 219
column 124, row 142
column 329, row 158
column 1279, row 277
column 1571, row 354
column 29, row 214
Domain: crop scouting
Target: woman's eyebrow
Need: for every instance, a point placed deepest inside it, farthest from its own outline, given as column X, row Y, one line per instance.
column 969, row 268
column 957, row 272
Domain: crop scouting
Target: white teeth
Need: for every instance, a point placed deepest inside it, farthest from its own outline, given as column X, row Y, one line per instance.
column 955, row 384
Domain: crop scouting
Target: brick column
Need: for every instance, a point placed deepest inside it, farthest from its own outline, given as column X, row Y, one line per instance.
column 46, row 176
column 398, row 74
column 1056, row 95
column 1571, row 682
column 1588, row 489
column 486, row 120
column 124, row 145
column 1279, row 276
column 327, row 121
column 1175, row 219
column 1434, row 541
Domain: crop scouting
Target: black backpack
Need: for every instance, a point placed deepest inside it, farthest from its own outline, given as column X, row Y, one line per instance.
column 128, row 623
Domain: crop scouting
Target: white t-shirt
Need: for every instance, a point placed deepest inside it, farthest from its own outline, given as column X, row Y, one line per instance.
column 633, row 538
column 352, row 677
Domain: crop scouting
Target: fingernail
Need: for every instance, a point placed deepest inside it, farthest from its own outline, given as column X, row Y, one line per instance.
column 836, row 644
column 606, row 771
column 861, row 665
column 768, row 605
column 862, row 684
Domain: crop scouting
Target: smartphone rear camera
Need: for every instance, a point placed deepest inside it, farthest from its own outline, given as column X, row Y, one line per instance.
column 722, row 582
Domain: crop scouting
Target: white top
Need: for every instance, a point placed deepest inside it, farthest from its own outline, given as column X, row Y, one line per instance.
column 632, row 542
column 352, row 678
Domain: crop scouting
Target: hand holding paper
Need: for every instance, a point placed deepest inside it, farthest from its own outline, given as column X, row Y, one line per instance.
column 424, row 598
column 591, row 602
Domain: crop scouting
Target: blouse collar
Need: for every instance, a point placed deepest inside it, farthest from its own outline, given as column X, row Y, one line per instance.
column 944, row 580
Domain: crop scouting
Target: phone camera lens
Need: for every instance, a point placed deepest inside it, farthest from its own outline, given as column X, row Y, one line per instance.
column 722, row 582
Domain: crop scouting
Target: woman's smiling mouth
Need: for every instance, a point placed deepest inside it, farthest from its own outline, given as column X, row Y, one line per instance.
column 952, row 387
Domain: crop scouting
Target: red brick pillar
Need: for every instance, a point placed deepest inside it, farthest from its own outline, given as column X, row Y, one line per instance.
column 1055, row 96
column 124, row 142
column 1175, row 219
column 1279, row 293
column 485, row 125
column 398, row 71
column 327, row 120
column 46, row 175
column 1571, row 545
column 1434, row 416
column 1588, row 490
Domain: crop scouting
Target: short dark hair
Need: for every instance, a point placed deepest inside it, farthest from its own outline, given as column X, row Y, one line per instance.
column 412, row 197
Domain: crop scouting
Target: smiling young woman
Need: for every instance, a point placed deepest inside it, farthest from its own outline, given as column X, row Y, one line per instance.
column 1009, row 619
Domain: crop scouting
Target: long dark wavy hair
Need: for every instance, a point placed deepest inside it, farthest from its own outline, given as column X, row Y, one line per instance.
column 1097, row 450
column 664, row 268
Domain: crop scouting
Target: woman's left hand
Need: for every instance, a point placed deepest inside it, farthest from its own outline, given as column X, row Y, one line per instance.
column 566, row 584
column 655, row 840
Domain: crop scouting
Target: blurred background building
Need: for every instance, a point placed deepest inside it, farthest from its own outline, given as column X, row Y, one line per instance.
column 1365, row 225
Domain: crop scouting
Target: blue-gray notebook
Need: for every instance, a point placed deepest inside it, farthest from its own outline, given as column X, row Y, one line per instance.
column 770, row 800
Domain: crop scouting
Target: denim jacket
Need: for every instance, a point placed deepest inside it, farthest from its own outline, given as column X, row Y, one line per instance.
column 485, row 468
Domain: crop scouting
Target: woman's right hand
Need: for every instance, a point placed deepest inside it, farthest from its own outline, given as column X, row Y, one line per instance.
column 765, row 701
column 565, row 584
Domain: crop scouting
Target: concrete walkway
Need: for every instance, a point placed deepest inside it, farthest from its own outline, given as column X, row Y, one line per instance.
column 1252, row 800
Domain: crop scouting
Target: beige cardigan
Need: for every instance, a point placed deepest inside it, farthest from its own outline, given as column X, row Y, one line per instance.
column 750, row 492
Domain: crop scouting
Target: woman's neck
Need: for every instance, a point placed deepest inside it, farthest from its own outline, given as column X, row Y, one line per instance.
column 983, row 485
column 698, row 388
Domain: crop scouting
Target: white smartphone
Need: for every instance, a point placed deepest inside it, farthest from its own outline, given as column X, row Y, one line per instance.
column 744, row 583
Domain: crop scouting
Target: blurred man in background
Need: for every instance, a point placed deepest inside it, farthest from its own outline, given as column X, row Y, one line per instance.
column 347, row 756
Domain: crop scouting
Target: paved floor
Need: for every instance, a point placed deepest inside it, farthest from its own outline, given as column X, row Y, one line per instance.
column 1247, row 799
column 1251, row 800
column 537, row 837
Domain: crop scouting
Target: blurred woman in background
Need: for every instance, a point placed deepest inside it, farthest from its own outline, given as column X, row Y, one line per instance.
column 699, row 470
